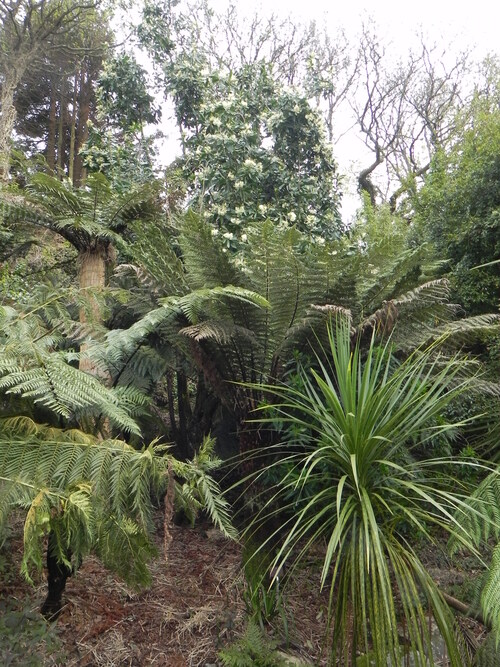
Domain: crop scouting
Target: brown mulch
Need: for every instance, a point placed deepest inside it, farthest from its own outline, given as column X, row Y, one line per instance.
column 192, row 610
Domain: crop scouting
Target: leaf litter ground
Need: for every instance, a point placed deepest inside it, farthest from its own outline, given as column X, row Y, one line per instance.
column 193, row 609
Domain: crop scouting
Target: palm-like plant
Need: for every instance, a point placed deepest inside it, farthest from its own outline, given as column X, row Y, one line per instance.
column 353, row 481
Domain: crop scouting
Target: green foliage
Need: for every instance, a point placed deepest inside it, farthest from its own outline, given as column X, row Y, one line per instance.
column 480, row 517
column 201, row 491
column 241, row 318
column 96, row 494
column 24, row 634
column 80, row 489
column 123, row 96
column 262, row 593
column 253, row 649
column 490, row 596
column 458, row 208
column 116, row 145
column 33, row 367
column 88, row 493
column 124, row 159
column 83, row 216
column 367, row 413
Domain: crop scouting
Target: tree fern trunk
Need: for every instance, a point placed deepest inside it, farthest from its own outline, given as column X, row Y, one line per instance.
column 171, row 406
column 58, row 574
column 92, row 277
column 184, row 412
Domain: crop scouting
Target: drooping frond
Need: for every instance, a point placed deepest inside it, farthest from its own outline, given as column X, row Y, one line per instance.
column 410, row 314
column 466, row 330
column 201, row 488
column 81, row 215
column 205, row 263
column 218, row 331
column 96, row 494
column 376, row 284
column 490, row 596
column 155, row 261
column 184, row 310
column 480, row 515
column 66, row 391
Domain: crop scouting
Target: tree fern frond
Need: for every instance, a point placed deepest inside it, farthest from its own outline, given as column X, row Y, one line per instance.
column 209, row 330
column 153, row 251
column 66, row 391
column 205, row 263
column 200, row 489
column 466, row 330
column 126, row 549
column 480, row 514
column 61, row 192
column 376, row 285
column 490, row 596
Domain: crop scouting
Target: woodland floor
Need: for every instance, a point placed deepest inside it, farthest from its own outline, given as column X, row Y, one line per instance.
column 193, row 609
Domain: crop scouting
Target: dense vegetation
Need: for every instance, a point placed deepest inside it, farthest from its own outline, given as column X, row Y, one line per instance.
column 212, row 334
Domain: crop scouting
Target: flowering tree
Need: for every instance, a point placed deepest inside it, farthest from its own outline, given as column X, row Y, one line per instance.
column 253, row 150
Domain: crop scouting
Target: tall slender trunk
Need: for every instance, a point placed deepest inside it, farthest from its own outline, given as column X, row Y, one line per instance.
column 51, row 137
column 82, row 128
column 184, row 412
column 7, row 120
column 61, row 129
column 72, row 141
column 171, row 406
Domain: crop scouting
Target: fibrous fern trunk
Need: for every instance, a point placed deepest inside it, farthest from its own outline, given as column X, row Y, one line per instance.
column 92, row 279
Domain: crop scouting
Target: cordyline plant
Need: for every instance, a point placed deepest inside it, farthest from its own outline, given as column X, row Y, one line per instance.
column 354, row 478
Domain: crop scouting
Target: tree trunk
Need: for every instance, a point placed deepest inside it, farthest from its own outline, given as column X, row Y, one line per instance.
column 364, row 181
column 171, row 406
column 60, row 130
column 51, row 138
column 57, row 575
column 82, row 130
column 71, row 161
column 7, row 120
column 184, row 412
column 92, row 276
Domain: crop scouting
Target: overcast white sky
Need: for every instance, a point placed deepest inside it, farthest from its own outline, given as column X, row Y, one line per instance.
column 473, row 22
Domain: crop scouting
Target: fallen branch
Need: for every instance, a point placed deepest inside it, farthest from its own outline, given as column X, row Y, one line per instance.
column 465, row 609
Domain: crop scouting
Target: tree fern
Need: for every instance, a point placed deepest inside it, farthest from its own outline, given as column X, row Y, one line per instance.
column 480, row 517
column 490, row 596
column 233, row 339
column 96, row 494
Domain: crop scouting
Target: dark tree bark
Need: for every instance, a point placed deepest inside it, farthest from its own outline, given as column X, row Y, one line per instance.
column 57, row 576
column 364, row 181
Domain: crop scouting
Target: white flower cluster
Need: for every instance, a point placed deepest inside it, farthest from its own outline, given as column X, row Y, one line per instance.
column 252, row 165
